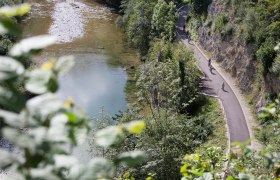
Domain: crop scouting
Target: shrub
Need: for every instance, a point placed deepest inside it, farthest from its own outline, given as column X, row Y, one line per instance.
column 220, row 22
column 266, row 54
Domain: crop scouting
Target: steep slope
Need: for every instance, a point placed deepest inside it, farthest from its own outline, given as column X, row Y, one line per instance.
column 241, row 35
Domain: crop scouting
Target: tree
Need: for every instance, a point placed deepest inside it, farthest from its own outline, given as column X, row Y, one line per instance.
column 173, row 64
column 164, row 20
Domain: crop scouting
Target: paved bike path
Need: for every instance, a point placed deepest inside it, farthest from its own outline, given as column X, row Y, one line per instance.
column 212, row 85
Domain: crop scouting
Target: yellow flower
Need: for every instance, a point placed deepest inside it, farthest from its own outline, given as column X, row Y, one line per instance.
column 48, row 65
column 69, row 103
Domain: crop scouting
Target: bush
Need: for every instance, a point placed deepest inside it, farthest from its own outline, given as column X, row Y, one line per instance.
column 5, row 45
column 266, row 54
column 220, row 22
column 276, row 65
column 166, row 139
column 199, row 7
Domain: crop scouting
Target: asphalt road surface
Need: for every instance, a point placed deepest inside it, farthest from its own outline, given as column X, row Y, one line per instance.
column 213, row 84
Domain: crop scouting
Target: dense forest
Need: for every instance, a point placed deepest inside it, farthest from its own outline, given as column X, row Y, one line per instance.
column 172, row 130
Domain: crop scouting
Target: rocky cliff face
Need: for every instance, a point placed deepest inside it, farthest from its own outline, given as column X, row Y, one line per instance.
column 235, row 55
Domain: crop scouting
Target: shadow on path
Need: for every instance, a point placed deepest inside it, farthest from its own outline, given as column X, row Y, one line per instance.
column 211, row 84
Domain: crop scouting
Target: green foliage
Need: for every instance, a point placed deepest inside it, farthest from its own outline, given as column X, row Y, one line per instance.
column 42, row 128
column 203, row 164
column 242, row 162
column 11, row 11
column 137, row 23
column 143, row 21
column 174, row 64
column 270, row 120
column 276, row 64
column 260, row 26
column 8, row 2
column 9, row 25
column 222, row 25
column 199, row 7
column 267, row 54
column 194, row 22
column 165, row 139
column 163, row 20
column 5, row 45
column 196, row 16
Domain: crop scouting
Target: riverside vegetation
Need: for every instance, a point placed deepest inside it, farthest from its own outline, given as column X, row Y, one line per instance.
column 38, row 124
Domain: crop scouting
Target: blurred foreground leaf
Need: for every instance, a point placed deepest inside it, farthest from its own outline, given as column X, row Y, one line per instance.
column 40, row 81
column 132, row 158
column 135, row 127
column 109, row 136
column 10, row 68
column 8, row 26
column 32, row 45
column 97, row 169
column 15, row 10
column 64, row 64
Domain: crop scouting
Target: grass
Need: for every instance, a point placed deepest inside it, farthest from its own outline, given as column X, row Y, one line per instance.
column 212, row 109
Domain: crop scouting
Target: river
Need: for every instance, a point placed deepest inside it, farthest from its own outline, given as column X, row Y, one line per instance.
column 85, row 29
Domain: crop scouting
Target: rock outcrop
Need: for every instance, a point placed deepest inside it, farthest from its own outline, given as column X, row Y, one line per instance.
column 235, row 55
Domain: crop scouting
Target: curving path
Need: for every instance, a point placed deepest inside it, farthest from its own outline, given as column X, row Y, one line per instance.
column 212, row 84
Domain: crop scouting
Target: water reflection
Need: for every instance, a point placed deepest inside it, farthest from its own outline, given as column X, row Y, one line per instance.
column 92, row 84
column 86, row 30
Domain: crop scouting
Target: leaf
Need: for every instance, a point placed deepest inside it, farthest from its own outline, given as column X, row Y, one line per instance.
column 65, row 161
column 38, row 134
column 40, row 81
column 15, row 10
column 272, row 110
column 243, row 176
column 135, row 127
column 11, row 100
column 10, row 118
column 43, row 106
column 132, row 158
column 32, row 45
column 72, row 117
column 97, row 169
column 230, row 178
column 19, row 139
column 8, row 26
column 6, row 159
column 64, row 64
column 109, row 136
column 10, row 68
column 207, row 176
column 57, row 131
column 43, row 173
